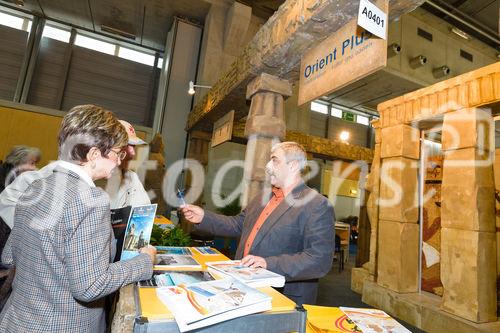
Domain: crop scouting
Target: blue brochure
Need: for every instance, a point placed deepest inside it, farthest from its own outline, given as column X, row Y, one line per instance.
column 139, row 227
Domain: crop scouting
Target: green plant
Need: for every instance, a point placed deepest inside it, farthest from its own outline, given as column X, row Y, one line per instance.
column 231, row 209
column 169, row 237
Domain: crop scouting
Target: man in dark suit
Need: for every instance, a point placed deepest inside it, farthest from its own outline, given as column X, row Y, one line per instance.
column 289, row 231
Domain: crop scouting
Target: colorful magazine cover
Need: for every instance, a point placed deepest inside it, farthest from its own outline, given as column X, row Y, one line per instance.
column 166, row 261
column 166, row 279
column 206, row 303
column 325, row 319
column 373, row 321
column 173, row 250
column 138, row 233
column 206, row 250
column 255, row 277
column 119, row 221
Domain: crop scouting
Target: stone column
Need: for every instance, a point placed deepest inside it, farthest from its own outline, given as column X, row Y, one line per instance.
column 468, row 240
column 368, row 271
column 398, row 233
column 264, row 126
column 224, row 36
column 199, row 142
column 298, row 117
column 373, row 187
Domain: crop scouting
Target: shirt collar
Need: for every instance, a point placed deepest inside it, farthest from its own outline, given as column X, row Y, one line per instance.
column 78, row 170
column 287, row 190
column 278, row 193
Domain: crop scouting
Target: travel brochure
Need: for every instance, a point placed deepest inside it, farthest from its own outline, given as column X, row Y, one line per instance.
column 373, row 321
column 206, row 303
column 254, row 277
column 206, row 250
column 119, row 222
column 170, row 261
column 198, row 300
column 326, row 319
column 166, row 279
column 138, row 232
column 177, row 250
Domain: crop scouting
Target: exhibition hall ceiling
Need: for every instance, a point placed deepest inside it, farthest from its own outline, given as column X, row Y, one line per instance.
column 147, row 23
column 481, row 14
column 150, row 20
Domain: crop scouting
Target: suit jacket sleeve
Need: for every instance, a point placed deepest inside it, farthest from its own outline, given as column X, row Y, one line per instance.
column 221, row 225
column 316, row 258
column 7, row 258
column 87, row 251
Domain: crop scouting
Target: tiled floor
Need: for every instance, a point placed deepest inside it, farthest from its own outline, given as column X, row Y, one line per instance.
column 335, row 290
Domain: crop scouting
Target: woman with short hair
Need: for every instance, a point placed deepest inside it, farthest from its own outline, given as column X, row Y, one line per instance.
column 18, row 160
column 60, row 242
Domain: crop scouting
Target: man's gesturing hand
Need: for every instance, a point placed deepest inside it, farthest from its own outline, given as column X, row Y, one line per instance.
column 254, row 261
column 192, row 213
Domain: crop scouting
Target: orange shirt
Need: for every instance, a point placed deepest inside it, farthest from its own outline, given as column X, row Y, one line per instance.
column 276, row 199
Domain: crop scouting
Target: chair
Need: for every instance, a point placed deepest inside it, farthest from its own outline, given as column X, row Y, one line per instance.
column 339, row 252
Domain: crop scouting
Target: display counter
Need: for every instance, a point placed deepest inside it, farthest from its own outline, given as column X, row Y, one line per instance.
column 140, row 310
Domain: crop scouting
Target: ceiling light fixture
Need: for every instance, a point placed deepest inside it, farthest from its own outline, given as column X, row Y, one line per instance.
column 118, row 32
column 460, row 33
column 344, row 136
column 191, row 90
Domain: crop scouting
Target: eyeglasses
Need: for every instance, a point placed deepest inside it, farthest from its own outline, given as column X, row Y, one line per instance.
column 120, row 154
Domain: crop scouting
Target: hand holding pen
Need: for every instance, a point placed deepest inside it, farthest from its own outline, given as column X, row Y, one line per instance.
column 180, row 196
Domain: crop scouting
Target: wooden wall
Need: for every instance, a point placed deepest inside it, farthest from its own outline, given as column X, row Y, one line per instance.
column 38, row 127
column 12, row 50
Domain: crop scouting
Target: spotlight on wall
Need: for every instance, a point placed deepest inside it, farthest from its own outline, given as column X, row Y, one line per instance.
column 418, row 61
column 344, row 136
column 191, row 90
column 394, row 49
column 440, row 72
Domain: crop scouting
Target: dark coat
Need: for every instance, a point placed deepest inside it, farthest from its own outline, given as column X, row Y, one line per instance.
column 296, row 240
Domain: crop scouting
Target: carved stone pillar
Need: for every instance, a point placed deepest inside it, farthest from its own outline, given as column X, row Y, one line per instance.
column 264, row 126
column 468, row 240
column 199, row 142
column 373, row 187
column 398, row 230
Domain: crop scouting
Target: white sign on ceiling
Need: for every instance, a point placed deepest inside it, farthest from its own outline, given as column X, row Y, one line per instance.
column 372, row 18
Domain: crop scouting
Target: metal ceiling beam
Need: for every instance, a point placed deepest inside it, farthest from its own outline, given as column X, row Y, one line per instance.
column 468, row 21
column 277, row 48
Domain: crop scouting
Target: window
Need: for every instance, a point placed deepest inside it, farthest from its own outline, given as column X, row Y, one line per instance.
column 114, row 49
column 56, row 33
column 94, row 44
column 336, row 112
column 15, row 22
column 318, row 107
column 137, row 56
column 362, row 120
